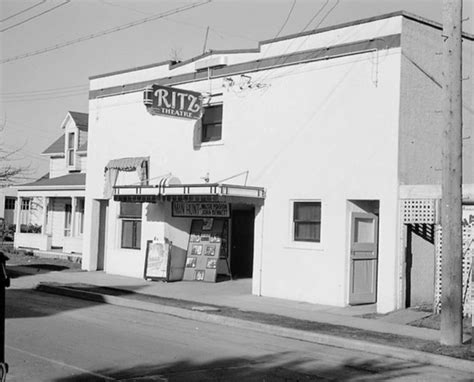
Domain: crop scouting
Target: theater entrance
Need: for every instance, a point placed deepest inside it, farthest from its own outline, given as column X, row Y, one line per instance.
column 242, row 239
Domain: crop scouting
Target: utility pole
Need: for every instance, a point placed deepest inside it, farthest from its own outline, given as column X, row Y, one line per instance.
column 451, row 208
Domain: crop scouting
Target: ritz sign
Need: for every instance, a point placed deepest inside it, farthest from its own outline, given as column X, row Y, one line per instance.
column 172, row 102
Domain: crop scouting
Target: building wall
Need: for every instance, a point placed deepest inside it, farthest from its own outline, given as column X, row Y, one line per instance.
column 83, row 162
column 421, row 118
column 293, row 138
column 57, row 167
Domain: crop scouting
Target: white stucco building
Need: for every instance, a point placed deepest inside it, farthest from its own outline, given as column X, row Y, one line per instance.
column 315, row 154
column 50, row 211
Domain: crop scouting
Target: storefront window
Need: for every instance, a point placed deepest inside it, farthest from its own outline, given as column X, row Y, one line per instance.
column 307, row 221
column 131, row 216
column 212, row 124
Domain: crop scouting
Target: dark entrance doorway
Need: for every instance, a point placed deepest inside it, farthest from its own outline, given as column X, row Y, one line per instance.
column 242, row 236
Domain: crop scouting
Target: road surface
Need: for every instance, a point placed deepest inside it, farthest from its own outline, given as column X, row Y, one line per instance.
column 55, row 338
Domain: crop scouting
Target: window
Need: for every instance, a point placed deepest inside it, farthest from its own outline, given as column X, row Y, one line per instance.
column 80, row 215
column 67, row 219
column 70, row 149
column 131, row 216
column 10, row 203
column 212, row 124
column 25, row 204
column 307, row 221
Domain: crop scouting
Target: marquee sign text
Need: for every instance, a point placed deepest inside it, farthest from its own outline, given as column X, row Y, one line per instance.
column 201, row 209
column 172, row 102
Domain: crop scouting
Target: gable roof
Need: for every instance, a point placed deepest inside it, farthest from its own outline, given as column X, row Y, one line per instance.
column 57, row 147
column 80, row 119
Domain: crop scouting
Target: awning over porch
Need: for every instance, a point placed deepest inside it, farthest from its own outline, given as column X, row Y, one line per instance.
column 190, row 192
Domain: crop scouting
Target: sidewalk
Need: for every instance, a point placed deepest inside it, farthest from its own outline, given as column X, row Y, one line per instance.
column 231, row 303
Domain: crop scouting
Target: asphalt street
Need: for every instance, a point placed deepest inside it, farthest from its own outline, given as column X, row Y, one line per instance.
column 55, row 338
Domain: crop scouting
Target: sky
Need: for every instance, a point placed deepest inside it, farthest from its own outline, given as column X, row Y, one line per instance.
column 37, row 91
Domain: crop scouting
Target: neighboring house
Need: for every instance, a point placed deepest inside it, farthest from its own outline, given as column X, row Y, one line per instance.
column 8, row 197
column 317, row 156
column 50, row 213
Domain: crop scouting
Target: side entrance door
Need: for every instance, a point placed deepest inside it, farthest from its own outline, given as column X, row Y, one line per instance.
column 364, row 259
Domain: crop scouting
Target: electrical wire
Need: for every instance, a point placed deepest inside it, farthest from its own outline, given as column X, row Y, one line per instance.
column 286, row 20
column 22, row 11
column 70, row 94
column 285, row 59
column 281, row 29
column 46, row 94
column 301, row 31
column 216, row 31
column 105, row 32
column 35, row 16
column 50, row 90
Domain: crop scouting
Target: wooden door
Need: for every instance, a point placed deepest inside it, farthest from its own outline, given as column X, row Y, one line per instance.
column 364, row 259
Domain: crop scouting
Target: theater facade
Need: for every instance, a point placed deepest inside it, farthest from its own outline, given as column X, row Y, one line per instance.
column 309, row 164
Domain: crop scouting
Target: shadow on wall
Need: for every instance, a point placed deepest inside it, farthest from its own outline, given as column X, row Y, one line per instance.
column 267, row 368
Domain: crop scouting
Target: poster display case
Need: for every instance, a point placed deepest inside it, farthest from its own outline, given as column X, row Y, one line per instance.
column 161, row 263
column 207, row 250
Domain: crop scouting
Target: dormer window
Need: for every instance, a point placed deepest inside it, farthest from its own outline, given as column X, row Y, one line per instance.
column 70, row 149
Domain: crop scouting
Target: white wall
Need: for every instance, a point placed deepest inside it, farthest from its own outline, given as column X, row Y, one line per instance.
column 57, row 167
column 325, row 130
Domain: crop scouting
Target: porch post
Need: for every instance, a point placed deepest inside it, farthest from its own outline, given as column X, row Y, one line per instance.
column 73, row 216
column 18, row 214
column 45, row 215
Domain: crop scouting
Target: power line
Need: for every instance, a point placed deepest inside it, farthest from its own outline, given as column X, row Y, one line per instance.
column 35, row 16
column 105, row 32
column 285, row 59
column 23, row 11
column 217, row 31
column 281, row 28
column 301, row 31
column 70, row 94
column 50, row 90
column 40, row 95
column 286, row 20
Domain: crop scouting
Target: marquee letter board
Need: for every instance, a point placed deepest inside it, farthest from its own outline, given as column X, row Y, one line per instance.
column 207, row 250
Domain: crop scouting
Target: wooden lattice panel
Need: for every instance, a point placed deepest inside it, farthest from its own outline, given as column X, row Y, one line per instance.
column 467, row 262
column 419, row 211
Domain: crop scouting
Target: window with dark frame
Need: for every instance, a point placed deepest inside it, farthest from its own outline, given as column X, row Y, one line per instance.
column 70, row 149
column 10, row 203
column 307, row 221
column 131, row 216
column 212, row 124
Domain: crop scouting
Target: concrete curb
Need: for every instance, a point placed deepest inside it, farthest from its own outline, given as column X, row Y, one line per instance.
column 320, row 338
